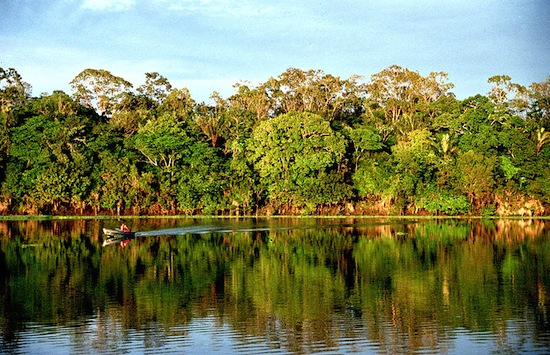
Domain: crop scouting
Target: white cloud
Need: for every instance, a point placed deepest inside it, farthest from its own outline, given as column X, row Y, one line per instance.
column 113, row 5
column 218, row 7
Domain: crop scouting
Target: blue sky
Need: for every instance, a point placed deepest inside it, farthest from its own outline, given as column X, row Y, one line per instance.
column 210, row 45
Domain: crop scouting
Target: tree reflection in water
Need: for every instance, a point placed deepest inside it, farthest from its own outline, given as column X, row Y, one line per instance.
column 291, row 285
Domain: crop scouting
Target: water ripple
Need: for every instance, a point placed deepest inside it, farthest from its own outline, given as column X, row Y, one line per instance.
column 211, row 334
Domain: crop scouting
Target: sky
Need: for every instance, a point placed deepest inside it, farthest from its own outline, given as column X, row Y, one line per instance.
column 210, row 45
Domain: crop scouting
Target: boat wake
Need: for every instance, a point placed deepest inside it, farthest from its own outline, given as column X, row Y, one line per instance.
column 233, row 228
column 205, row 229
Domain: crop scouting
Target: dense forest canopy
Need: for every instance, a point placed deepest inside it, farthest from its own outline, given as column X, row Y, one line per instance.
column 305, row 142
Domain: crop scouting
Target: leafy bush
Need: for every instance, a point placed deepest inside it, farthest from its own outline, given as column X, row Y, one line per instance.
column 439, row 201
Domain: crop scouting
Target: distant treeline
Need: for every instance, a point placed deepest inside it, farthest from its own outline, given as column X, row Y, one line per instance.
column 305, row 142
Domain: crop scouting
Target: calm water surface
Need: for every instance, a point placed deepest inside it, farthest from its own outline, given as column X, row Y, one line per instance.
column 276, row 286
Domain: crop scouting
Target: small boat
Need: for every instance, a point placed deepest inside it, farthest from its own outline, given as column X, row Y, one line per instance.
column 117, row 233
column 117, row 236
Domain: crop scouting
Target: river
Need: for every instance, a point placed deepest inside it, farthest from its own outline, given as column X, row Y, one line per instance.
column 276, row 285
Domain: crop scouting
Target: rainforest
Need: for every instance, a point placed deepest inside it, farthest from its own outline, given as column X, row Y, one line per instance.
column 301, row 143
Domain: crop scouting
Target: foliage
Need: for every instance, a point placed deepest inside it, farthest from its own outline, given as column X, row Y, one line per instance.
column 304, row 142
column 474, row 175
column 292, row 154
column 100, row 89
column 374, row 176
column 436, row 201
column 507, row 167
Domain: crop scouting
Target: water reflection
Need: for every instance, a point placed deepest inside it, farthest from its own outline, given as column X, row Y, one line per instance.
column 277, row 285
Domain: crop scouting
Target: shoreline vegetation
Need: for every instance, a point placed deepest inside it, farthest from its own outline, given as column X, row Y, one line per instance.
column 305, row 143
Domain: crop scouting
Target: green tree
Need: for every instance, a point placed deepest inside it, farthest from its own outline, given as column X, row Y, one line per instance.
column 119, row 186
column 239, row 124
column 256, row 100
column 164, row 142
column 508, row 167
column 296, row 156
column 374, row 176
column 243, row 189
column 473, row 126
column 14, row 92
column 414, row 154
column 366, row 140
column 28, row 159
column 297, row 90
column 50, row 156
column 474, row 176
column 242, row 186
column 201, row 180
column 116, row 182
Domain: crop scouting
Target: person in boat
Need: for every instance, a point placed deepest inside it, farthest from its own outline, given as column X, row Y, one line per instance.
column 124, row 227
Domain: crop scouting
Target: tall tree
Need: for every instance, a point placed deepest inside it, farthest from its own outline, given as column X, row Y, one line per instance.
column 539, row 107
column 156, row 88
column 400, row 92
column 13, row 90
column 180, row 103
column 99, row 89
column 507, row 95
column 212, row 120
column 320, row 93
column 296, row 156
column 164, row 142
column 131, row 112
column 257, row 100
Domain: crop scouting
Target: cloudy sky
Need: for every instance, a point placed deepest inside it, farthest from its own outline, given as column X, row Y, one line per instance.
column 209, row 45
